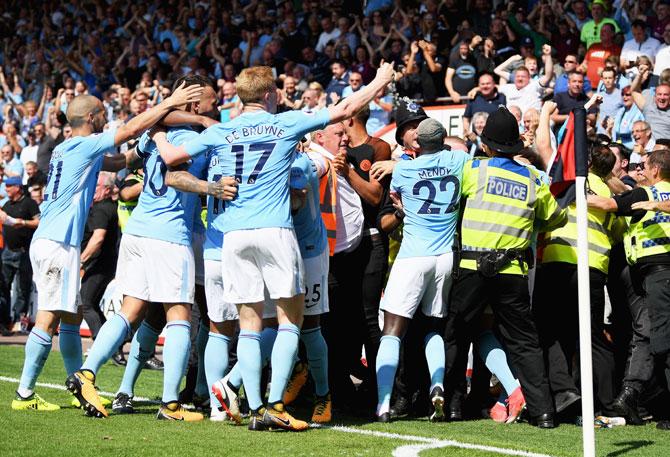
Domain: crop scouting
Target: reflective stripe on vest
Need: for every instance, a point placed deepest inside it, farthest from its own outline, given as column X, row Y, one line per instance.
column 561, row 244
column 651, row 234
column 328, row 204
column 499, row 215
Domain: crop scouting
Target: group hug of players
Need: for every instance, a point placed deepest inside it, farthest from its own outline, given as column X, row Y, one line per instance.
column 265, row 244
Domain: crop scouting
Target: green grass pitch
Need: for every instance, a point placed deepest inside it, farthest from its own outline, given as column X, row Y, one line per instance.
column 68, row 432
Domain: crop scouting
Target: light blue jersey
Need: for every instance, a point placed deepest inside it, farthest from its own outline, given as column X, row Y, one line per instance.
column 73, row 176
column 257, row 148
column 159, row 213
column 211, row 248
column 191, row 202
column 213, row 237
column 309, row 227
column 430, row 187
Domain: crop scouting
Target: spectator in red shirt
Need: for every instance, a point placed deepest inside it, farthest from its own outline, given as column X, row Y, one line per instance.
column 594, row 61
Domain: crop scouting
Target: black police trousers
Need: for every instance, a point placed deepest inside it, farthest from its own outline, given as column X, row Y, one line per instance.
column 556, row 313
column 508, row 296
column 657, row 297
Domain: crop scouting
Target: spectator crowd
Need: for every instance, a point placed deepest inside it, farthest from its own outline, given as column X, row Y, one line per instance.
column 541, row 59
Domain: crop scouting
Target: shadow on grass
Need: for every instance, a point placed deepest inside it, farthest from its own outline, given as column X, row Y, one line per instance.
column 629, row 446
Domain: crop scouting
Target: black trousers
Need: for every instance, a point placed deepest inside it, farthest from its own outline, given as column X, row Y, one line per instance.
column 16, row 264
column 624, row 300
column 508, row 297
column 556, row 313
column 640, row 362
column 93, row 286
column 657, row 295
column 355, row 284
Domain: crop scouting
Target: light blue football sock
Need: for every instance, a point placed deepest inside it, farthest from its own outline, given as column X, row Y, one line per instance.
column 235, row 376
column 110, row 337
column 283, row 354
column 69, row 342
column 268, row 337
column 317, row 358
column 249, row 362
column 387, row 364
column 215, row 362
column 143, row 345
column 37, row 350
column 201, row 389
column 434, row 348
column 493, row 355
column 175, row 357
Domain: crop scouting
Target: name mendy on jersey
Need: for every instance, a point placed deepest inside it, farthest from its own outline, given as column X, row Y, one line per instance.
column 433, row 172
column 254, row 131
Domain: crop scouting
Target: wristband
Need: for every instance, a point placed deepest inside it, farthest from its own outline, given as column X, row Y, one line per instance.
column 399, row 213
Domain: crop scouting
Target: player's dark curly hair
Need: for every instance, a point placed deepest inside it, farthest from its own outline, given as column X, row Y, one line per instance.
column 193, row 80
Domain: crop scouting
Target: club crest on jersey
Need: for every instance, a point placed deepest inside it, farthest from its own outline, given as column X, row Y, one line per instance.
column 506, row 188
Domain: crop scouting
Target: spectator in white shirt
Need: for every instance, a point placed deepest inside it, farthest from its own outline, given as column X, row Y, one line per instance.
column 640, row 45
column 526, row 93
column 644, row 140
column 663, row 55
column 330, row 33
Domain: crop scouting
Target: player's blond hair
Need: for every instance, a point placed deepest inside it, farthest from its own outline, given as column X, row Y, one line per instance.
column 253, row 83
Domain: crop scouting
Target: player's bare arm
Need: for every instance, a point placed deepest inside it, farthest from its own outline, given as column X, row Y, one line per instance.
column 359, row 99
column 118, row 162
column 223, row 189
column 145, row 120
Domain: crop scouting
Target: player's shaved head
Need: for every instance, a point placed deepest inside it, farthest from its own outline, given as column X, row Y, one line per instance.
column 80, row 107
column 456, row 143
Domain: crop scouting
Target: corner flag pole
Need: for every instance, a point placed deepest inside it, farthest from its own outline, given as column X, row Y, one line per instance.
column 585, row 361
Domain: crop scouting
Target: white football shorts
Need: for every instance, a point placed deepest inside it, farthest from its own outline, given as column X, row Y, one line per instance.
column 316, row 284
column 218, row 310
column 156, row 270
column 254, row 259
column 415, row 281
column 56, row 272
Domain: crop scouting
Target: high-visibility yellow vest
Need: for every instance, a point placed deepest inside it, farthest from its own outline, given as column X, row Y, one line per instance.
column 651, row 234
column 506, row 203
column 125, row 209
column 604, row 229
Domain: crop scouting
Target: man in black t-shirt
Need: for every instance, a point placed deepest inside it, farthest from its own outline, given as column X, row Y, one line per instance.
column 460, row 78
column 20, row 217
column 573, row 98
column 649, row 253
column 99, row 252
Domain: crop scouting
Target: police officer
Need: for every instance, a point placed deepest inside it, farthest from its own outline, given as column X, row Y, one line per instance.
column 506, row 202
column 555, row 298
column 647, row 247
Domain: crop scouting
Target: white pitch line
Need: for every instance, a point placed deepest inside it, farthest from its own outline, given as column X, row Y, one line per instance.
column 61, row 387
column 410, row 450
column 430, row 443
